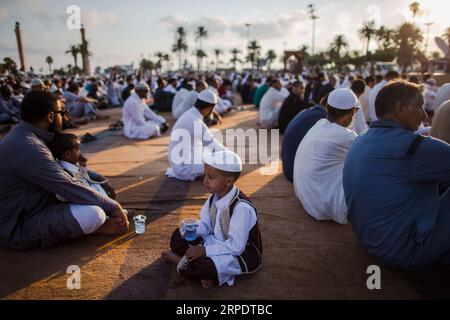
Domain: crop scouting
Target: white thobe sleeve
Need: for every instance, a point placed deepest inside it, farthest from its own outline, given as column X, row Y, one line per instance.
column 242, row 221
column 360, row 124
column 151, row 115
column 204, row 224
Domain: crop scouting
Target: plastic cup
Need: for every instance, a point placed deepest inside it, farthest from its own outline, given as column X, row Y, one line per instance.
column 190, row 228
column 139, row 223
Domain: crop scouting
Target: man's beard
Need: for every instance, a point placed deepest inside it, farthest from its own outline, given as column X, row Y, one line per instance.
column 55, row 127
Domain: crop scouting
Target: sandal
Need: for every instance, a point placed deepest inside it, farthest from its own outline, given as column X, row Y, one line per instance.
column 88, row 138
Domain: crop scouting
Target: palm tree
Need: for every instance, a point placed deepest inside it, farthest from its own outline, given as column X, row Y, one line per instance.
column 235, row 59
column 414, row 8
column 9, row 64
column 270, row 57
column 217, row 53
column 74, row 50
column 162, row 57
column 200, row 34
column 338, row 44
column 200, row 54
column 366, row 33
column 408, row 39
column 446, row 35
column 385, row 38
column 49, row 61
column 254, row 53
column 180, row 44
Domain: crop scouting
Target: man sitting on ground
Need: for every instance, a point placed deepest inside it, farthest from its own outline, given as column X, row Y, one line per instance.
column 30, row 215
column 320, row 158
column 140, row 122
column 396, row 184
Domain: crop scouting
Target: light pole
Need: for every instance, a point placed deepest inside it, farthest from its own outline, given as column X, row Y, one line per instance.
column 313, row 17
column 248, row 25
column 428, row 24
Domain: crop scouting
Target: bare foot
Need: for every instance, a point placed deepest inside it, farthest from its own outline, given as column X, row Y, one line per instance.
column 207, row 284
column 170, row 256
column 112, row 226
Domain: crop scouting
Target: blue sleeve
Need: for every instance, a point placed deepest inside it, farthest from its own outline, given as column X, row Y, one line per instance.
column 431, row 163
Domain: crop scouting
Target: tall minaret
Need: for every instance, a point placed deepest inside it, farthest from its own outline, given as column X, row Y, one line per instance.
column 19, row 46
column 85, row 52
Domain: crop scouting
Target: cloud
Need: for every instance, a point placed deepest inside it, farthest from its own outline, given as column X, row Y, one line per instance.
column 96, row 19
column 3, row 13
column 174, row 21
column 280, row 26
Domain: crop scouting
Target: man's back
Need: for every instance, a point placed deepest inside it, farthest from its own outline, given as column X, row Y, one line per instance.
column 295, row 131
column 392, row 191
column 318, row 170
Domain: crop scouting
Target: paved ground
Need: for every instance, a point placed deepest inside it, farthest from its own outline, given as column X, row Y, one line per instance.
column 303, row 258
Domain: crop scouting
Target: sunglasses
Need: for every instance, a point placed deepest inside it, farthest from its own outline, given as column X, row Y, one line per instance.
column 61, row 112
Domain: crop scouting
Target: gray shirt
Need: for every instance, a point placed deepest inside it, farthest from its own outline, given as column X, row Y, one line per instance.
column 30, row 177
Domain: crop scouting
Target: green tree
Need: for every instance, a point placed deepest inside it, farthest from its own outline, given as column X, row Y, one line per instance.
column 180, row 44
column 270, row 57
column 366, row 33
column 74, row 50
column 254, row 53
column 414, row 8
column 218, row 53
column 200, row 34
column 200, row 55
column 408, row 39
column 49, row 61
column 235, row 57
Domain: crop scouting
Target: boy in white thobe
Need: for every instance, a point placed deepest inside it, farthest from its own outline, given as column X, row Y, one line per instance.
column 140, row 122
column 228, row 239
column 319, row 161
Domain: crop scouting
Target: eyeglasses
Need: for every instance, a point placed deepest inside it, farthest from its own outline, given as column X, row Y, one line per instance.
column 61, row 112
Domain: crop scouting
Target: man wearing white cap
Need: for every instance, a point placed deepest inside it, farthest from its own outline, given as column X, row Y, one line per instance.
column 189, row 137
column 140, row 122
column 37, row 84
column 320, row 159
column 227, row 240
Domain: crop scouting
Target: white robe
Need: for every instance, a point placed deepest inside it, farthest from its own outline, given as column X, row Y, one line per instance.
column 140, row 122
column 373, row 95
column 359, row 121
column 199, row 136
column 442, row 95
column 177, row 102
column 318, row 170
column 223, row 252
column 188, row 102
column 270, row 107
column 222, row 105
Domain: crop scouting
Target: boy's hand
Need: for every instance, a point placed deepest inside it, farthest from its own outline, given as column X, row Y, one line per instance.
column 195, row 252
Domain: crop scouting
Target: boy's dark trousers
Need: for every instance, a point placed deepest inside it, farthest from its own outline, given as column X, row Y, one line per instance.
column 200, row 269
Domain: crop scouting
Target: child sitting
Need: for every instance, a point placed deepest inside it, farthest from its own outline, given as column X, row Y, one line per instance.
column 65, row 147
column 228, row 238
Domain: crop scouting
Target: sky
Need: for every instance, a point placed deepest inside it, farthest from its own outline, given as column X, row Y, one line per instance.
column 122, row 32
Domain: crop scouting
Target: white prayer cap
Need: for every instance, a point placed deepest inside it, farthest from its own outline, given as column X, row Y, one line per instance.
column 142, row 86
column 225, row 160
column 208, row 96
column 36, row 82
column 343, row 99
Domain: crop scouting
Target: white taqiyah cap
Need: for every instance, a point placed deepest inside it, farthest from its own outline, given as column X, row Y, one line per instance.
column 208, row 96
column 36, row 82
column 343, row 99
column 142, row 86
column 225, row 160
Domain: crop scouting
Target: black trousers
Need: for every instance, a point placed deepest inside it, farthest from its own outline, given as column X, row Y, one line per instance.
column 200, row 269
